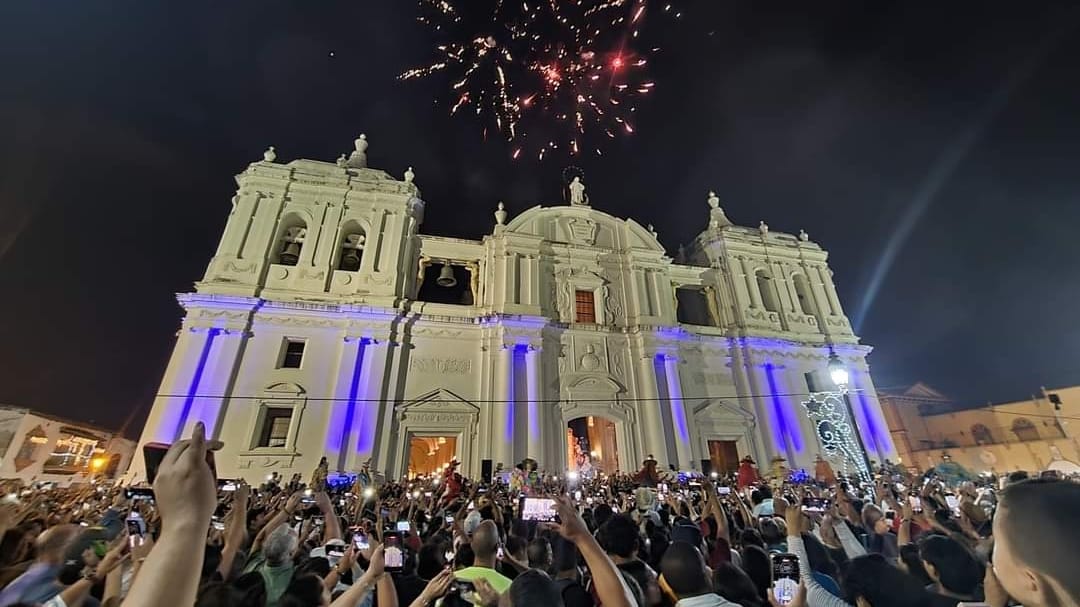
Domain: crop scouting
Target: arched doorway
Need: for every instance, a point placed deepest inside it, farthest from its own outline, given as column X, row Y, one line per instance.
column 591, row 446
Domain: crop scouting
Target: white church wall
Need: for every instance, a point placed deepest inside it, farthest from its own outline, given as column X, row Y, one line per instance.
column 506, row 372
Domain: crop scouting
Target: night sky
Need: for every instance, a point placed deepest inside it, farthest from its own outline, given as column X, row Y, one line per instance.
column 932, row 147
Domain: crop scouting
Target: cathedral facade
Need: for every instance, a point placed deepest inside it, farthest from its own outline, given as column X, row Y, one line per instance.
column 328, row 325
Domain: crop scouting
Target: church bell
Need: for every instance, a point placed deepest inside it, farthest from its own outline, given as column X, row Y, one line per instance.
column 350, row 261
column 290, row 254
column 446, row 277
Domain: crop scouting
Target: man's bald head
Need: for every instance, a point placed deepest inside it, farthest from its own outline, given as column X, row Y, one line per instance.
column 53, row 543
column 1036, row 539
column 485, row 540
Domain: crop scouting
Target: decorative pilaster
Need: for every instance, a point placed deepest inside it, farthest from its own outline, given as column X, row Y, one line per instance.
column 678, row 413
column 343, row 418
column 167, row 415
column 371, row 407
column 652, row 421
column 502, row 427
column 215, row 382
column 537, row 419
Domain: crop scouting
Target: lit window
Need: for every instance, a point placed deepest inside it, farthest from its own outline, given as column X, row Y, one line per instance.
column 292, row 355
column 584, row 307
column 275, row 427
column 71, row 454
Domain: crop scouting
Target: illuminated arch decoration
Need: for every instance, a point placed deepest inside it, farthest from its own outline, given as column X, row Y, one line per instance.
column 835, row 433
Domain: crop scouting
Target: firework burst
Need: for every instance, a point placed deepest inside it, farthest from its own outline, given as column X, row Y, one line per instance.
column 546, row 75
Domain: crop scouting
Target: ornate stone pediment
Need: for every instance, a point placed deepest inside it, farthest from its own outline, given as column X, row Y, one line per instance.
column 438, row 407
column 284, row 389
column 718, row 409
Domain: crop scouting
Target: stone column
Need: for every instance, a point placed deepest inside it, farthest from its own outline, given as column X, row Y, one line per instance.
column 677, row 408
column 215, row 381
column 651, row 420
column 237, row 226
column 537, row 417
column 502, row 426
column 751, row 284
column 830, row 290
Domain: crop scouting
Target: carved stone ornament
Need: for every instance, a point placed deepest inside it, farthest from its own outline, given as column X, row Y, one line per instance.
column 443, row 366
column 583, row 231
column 589, row 360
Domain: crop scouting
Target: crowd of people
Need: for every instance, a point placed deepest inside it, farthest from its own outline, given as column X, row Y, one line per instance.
column 628, row 541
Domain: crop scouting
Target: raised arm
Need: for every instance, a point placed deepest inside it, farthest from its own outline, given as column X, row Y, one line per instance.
column 235, row 529
column 186, row 496
column 331, row 522
column 360, row 589
column 611, row 588
column 797, row 523
column 280, row 517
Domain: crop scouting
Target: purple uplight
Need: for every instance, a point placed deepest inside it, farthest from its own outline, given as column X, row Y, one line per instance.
column 789, row 429
column 193, row 389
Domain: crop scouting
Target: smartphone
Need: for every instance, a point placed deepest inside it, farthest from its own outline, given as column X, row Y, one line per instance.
column 317, row 520
column 154, row 453
column 226, row 485
column 723, row 490
column 785, row 577
column 539, row 509
column 217, row 523
column 335, row 553
column 890, row 515
column 449, row 518
column 815, row 504
column 427, row 494
column 463, row 587
column 403, row 526
column 360, row 541
column 449, row 556
column 952, row 501
column 916, row 503
column 499, row 554
column 136, row 528
column 577, row 496
column 139, row 494
column 393, row 554
column 589, row 501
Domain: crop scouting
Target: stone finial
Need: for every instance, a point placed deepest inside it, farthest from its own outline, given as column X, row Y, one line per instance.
column 764, row 227
column 358, row 158
column 500, row 214
column 652, row 231
column 714, row 200
column 269, row 155
column 409, row 175
column 803, row 236
column 342, row 160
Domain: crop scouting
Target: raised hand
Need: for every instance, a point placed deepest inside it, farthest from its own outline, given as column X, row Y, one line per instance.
column 572, row 527
column 437, row 587
column 185, row 489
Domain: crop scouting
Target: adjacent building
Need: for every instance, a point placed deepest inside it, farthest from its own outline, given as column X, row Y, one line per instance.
column 36, row 447
column 1041, row 433
column 328, row 325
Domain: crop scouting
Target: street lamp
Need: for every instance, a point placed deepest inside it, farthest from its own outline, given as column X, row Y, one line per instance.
column 838, row 372
column 834, row 419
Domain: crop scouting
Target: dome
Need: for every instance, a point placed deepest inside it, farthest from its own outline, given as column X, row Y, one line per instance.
column 584, row 226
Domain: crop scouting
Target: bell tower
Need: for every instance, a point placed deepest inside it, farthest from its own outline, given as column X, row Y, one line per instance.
column 318, row 230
